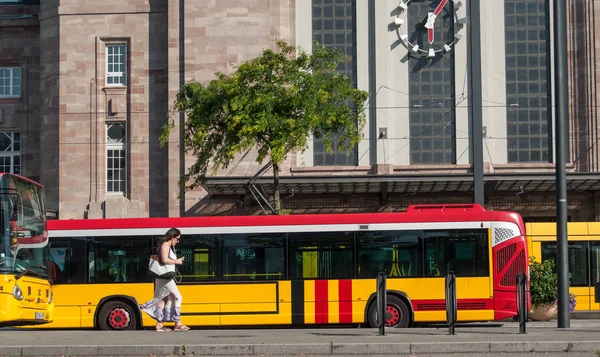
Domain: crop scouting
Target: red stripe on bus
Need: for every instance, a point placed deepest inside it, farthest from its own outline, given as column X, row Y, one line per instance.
column 321, row 301
column 345, row 297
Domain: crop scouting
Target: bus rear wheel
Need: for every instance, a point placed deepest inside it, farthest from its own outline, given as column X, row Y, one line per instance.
column 397, row 313
column 117, row 315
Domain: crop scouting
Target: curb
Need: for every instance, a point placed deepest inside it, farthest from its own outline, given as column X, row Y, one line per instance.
column 306, row 349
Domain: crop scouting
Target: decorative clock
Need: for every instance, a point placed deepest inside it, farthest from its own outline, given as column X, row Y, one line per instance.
column 421, row 40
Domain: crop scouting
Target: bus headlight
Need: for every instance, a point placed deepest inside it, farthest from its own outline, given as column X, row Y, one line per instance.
column 17, row 293
column 51, row 296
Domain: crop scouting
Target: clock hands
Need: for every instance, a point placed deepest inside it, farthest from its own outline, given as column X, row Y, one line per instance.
column 429, row 24
column 412, row 42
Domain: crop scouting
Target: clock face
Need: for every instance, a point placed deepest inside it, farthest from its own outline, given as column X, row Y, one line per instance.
column 429, row 28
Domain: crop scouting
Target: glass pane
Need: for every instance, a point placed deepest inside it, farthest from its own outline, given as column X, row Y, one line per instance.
column 5, row 142
column 595, row 262
column 397, row 253
column 526, row 49
column 463, row 251
column 119, row 260
column 115, row 132
column 253, row 256
column 200, row 252
column 578, row 260
column 322, row 255
column 334, row 26
column 17, row 141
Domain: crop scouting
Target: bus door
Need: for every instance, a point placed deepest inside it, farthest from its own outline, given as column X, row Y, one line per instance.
column 581, row 281
column 594, row 293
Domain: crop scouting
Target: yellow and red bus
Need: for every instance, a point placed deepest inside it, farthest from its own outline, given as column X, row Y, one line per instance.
column 294, row 269
column 583, row 253
column 25, row 293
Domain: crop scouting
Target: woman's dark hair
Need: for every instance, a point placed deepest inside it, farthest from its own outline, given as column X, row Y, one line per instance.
column 171, row 233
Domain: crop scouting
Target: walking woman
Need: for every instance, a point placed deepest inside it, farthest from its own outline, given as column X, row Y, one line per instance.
column 166, row 304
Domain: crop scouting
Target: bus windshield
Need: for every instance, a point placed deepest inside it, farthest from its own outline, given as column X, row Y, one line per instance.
column 24, row 246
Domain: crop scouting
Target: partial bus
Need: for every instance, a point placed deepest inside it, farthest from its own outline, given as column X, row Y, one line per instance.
column 583, row 253
column 25, row 294
column 294, row 269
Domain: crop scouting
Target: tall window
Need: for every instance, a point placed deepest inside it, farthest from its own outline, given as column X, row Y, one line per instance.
column 116, row 153
column 527, row 80
column 432, row 94
column 10, row 82
column 116, row 64
column 10, row 152
column 334, row 25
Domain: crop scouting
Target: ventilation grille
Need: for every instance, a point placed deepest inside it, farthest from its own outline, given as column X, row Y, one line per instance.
column 502, row 234
column 472, row 306
column 431, row 307
column 516, row 268
column 504, row 256
column 460, row 305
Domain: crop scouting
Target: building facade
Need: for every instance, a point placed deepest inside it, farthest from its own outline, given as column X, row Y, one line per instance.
column 85, row 87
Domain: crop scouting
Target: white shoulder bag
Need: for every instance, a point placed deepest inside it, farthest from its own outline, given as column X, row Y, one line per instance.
column 157, row 270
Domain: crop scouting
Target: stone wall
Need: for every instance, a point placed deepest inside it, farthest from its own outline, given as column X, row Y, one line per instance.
column 19, row 47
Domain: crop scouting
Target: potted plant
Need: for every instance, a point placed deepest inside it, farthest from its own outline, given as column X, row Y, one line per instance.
column 543, row 286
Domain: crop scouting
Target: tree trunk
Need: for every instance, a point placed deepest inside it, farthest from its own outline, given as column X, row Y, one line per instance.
column 276, row 195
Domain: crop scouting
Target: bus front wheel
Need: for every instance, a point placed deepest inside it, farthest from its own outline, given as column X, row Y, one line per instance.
column 117, row 315
column 397, row 313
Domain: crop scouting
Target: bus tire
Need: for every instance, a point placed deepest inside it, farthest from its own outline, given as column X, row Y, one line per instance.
column 398, row 314
column 117, row 315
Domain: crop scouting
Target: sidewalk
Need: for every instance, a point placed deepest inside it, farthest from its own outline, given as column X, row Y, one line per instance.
column 583, row 336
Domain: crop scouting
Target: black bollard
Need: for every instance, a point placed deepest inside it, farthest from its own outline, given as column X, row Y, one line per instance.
column 381, row 303
column 451, row 307
column 522, row 302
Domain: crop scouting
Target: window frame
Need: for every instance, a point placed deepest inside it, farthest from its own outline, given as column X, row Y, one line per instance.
column 12, row 154
column 118, row 75
column 11, row 85
column 114, row 146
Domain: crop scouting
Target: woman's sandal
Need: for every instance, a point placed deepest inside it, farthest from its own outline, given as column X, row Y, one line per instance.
column 163, row 329
column 181, row 328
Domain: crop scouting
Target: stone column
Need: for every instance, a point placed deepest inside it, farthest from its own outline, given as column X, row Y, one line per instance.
column 176, row 74
column 49, row 107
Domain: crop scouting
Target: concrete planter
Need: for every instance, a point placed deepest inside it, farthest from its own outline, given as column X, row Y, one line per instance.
column 544, row 313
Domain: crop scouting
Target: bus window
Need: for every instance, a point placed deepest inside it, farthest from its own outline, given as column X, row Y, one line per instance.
column 253, row 256
column 200, row 252
column 118, row 260
column 59, row 251
column 463, row 251
column 322, row 255
column 578, row 260
column 397, row 253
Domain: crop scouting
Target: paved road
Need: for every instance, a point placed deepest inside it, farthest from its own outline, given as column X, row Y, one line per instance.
column 582, row 339
column 524, row 354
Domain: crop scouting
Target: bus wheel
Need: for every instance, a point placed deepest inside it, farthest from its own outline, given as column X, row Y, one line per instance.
column 397, row 314
column 117, row 315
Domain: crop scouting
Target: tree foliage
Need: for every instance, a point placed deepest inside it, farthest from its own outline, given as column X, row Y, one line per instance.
column 272, row 103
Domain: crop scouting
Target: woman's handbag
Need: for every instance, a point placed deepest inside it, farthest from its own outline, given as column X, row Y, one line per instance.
column 157, row 270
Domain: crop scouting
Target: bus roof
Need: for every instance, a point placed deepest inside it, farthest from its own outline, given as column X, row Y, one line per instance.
column 420, row 213
column 19, row 177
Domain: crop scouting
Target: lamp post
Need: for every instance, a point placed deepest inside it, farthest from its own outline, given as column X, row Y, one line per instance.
column 561, row 118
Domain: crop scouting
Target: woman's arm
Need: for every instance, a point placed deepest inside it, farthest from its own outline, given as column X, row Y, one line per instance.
column 164, row 255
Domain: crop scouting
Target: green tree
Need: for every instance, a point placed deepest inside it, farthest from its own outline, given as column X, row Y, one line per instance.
column 273, row 103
